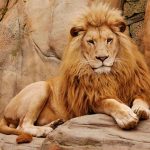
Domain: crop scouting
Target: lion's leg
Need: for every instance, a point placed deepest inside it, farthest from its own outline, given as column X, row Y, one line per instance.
column 38, row 131
column 123, row 115
column 38, row 101
column 12, row 126
column 141, row 108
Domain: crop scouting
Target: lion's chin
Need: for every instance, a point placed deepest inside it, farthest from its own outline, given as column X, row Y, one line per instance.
column 102, row 69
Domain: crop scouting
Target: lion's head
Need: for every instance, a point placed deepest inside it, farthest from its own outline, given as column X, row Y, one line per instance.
column 99, row 48
column 97, row 34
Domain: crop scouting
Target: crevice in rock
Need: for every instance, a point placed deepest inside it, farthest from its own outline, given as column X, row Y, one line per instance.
column 135, row 18
column 44, row 56
column 4, row 10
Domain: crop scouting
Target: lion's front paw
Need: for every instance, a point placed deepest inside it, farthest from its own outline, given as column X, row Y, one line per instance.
column 38, row 131
column 141, row 111
column 126, row 118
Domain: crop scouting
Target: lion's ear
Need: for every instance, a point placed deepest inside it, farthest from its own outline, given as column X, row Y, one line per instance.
column 122, row 26
column 75, row 31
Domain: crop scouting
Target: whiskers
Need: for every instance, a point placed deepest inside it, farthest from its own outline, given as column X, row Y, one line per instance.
column 121, row 63
column 120, row 60
column 83, row 67
column 87, row 62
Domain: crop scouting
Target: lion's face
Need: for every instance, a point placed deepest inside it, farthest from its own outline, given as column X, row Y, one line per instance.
column 97, row 35
column 99, row 48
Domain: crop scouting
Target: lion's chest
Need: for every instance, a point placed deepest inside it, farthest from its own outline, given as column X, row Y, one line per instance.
column 82, row 93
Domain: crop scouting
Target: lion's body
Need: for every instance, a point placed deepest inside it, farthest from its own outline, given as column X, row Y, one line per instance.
column 108, row 75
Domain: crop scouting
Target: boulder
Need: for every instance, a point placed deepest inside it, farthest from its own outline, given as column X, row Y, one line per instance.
column 90, row 132
column 146, row 35
column 8, row 142
column 97, row 132
column 136, row 32
column 134, row 12
column 132, row 7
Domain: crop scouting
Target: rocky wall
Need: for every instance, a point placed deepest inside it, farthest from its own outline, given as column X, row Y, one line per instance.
column 134, row 12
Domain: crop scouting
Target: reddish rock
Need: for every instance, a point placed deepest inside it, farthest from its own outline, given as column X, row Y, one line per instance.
column 146, row 38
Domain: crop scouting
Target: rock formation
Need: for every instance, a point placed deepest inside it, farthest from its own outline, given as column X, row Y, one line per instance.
column 146, row 38
column 97, row 132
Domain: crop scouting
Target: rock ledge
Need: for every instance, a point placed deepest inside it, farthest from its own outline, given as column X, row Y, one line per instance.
column 97, row 132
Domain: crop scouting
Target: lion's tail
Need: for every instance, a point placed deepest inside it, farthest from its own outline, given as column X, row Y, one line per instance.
column 7, row 130
column 22, row 138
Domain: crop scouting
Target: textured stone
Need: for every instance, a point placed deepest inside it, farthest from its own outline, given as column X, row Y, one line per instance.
column 136, row 30
column 3, row 8
column 146, row 35
column 134, row 7
column 136, row 18
column 8, row 142
column 97, row 132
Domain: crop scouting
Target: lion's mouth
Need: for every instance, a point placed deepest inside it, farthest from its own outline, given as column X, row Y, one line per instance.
column 102, row 69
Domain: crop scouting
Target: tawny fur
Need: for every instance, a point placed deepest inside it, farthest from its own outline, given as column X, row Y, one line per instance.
column 79, row 90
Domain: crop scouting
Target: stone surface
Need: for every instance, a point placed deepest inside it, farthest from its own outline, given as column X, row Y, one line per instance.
column 136, row 30
column 8, row 142
column 133, row 7
column 134, row 11
column 136, row 18
column 91, row 132
column 3, row 8
column 97, row 132
column 146, row 35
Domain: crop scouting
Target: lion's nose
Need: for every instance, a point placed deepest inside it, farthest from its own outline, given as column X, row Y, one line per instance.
column 102, row 58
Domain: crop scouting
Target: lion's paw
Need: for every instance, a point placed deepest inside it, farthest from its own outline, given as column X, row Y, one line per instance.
column 38, row 131
column 43, row 131
column 141, row 112
column 126, row 118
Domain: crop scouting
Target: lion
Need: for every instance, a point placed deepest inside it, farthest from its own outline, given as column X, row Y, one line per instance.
column 102, row 72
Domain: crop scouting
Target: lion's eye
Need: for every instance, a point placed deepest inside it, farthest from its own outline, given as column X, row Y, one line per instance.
column 91, row 42
column 109, row 40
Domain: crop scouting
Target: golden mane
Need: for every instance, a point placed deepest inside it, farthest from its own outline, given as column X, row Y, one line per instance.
column 81, row 88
